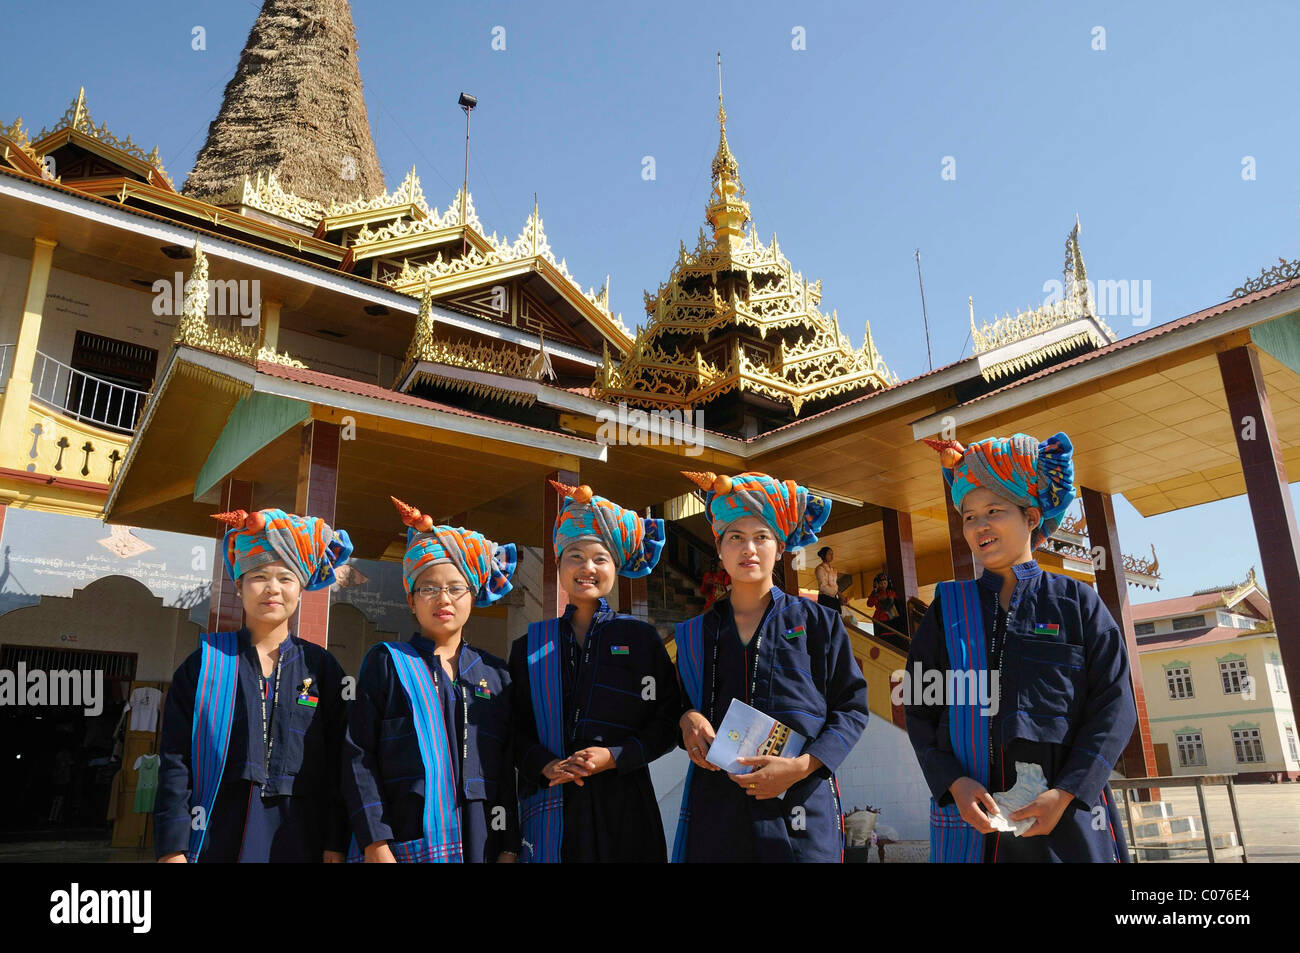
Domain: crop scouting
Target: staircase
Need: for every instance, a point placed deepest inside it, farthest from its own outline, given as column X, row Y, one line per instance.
column 671, row 597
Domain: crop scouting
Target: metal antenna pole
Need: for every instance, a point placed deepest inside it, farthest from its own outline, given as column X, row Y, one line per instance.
column 925, row 317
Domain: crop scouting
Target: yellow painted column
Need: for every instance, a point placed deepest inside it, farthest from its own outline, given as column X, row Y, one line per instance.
column 18, row 389
column 271, row 324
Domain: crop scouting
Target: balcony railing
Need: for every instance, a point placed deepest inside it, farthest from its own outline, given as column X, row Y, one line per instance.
column 79, row 395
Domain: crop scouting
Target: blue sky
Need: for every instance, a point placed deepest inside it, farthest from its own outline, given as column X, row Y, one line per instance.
column 841, row 147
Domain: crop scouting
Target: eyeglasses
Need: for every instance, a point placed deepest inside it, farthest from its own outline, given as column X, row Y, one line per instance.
column 455, row 591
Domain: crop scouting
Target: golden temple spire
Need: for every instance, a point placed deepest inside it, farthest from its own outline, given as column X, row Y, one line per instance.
column 727, row 212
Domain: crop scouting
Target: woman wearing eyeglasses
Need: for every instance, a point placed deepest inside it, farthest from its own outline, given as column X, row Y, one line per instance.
column 429, row 776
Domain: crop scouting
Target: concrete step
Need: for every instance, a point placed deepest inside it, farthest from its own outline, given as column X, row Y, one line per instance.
column 1165, row 827
column 1184, row 847
column 1146, row 810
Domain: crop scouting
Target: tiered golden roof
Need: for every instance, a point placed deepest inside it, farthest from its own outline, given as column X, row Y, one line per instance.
column 770, row 338
column 1075, row 310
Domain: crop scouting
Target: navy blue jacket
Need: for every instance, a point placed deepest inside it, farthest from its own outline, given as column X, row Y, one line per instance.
column 612, row 710
column 619, row 691
column 1067, row 704
column 304, row 755
column 808, row 679
column 383, row 773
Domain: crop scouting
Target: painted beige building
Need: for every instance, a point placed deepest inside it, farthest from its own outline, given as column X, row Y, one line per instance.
column 1216, row 691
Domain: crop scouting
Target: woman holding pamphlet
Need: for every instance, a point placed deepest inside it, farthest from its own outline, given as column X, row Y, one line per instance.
column 767, row 673
column 1018, row 760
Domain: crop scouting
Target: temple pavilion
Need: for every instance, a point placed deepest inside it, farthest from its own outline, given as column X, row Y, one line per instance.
column 394, row 343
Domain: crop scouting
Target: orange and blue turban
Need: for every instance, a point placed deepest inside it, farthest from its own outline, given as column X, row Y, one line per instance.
column 1018, row 469
column 635, row 542
column 794, row 513
column 487, row 567
column 306, row 544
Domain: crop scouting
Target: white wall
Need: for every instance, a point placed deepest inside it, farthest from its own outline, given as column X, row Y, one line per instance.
column 881, row 770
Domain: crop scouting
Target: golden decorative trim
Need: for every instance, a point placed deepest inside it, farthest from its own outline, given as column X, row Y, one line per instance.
column 77, row 118
column 409, row 192
column 530, row 244
column 1283, row 271
column 1078, row 525
column 267, row 194
column 1075, row 304
column 193, row 329
column 1041, row 354
column 477, row 389
column 1147, row 567
column 16, row 134
column 504, row 359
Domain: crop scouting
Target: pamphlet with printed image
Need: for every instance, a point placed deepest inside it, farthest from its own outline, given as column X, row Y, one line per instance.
column 746, row 732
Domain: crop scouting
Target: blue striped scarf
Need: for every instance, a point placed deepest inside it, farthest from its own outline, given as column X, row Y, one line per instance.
column 542, row 813
column 690, row 667
column 441, row 842
column 952, row 840
column 214, row 710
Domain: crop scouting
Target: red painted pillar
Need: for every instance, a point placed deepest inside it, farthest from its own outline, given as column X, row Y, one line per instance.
column 963, row 560
column 554, row 599
column 1270, row 500
column 789, row 575
column 633, row 597
column 225, row 609
column 318, row 475
column 900, row 558
column 1139, row 758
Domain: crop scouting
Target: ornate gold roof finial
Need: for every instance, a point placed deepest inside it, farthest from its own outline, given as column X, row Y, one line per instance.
column 1078, row 296
column 79, row 113
column 727, row 212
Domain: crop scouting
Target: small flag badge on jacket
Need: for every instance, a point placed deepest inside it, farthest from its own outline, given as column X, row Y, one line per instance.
column 482, row 690
column 305, row 697
column 795, row 632
column 1047, row 628
column 619, row 650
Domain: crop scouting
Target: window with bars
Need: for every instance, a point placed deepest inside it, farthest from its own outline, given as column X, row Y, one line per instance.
column 1290, row 743
column 1179, row 681
column 1191, row 750
column 1144, row 628
column 1233, row 674
column 1190, row 622
column 114, row 665
column 1247, row 745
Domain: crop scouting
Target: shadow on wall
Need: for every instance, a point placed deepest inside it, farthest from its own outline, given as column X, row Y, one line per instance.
column 111, row 614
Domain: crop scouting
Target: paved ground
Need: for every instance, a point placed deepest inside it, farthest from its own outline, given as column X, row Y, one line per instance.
column 1270, row 817
column 1270, row 822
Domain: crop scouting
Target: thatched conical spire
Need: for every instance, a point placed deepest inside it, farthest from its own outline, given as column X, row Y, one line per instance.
column 294, row 106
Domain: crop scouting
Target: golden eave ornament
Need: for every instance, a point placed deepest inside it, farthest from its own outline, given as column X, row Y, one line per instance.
column 1074, row 311
column 76, row 119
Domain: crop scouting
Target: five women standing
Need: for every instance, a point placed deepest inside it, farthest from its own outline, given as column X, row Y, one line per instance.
column 448, row 753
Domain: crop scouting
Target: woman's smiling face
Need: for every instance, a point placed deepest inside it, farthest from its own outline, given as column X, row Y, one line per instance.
column 587, row 570
column 996, row 530
column 270, row 593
